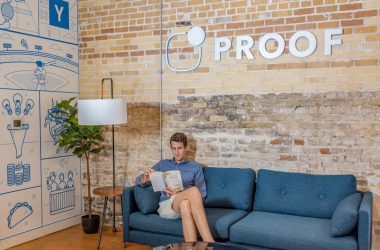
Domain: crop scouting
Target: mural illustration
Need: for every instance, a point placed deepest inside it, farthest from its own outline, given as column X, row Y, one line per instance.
column 58, row 19
column 62, row 193
column 18, row 15
column 18, row 129
column 39, row 66
column 18, row 213
column 17, row 174
column 54, row 120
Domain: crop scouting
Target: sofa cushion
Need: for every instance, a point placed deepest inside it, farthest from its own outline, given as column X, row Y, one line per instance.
column 301, row 194
column 146, row 200
column 154, row 223
column 229, row 187
column 220, row 220
column 283, row 231
column 345, row 217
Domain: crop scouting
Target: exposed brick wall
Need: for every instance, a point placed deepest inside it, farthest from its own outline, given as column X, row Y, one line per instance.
column 121, row 39
column 240, row 112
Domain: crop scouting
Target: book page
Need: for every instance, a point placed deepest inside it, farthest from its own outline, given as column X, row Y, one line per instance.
column 157, row 180
column 173, row 180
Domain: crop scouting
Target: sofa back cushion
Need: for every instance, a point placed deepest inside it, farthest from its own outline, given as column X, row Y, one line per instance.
column 301, row 194
column 229, row 187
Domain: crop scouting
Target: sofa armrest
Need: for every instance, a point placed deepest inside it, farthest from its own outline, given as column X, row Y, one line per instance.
column 365, row 222
column 129, row 206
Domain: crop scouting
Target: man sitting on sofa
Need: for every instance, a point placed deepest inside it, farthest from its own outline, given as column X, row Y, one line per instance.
column 187, row 204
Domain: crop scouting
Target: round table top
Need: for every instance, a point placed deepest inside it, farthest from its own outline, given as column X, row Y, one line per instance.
column 109, row 191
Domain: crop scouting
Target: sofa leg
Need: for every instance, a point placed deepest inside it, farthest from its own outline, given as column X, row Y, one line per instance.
column 125, row 244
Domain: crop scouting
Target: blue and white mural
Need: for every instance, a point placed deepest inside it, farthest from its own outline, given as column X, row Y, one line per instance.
column 20, row 213
column 40, row 183
column 61, row 193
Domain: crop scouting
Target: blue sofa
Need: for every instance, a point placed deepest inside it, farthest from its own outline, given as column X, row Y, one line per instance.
column 278, row 211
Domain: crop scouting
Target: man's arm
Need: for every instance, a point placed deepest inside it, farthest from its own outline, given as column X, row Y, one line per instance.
column 144, row 179
column 199, row 181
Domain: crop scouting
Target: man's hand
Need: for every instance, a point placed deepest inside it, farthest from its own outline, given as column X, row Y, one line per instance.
column 146, row 177
column 170, row 192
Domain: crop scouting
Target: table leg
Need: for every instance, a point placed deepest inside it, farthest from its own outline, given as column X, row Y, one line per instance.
column 121, row 204
column 114, row 214
column 103, row 217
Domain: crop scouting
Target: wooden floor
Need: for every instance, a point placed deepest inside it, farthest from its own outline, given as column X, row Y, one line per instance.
column 73, row 238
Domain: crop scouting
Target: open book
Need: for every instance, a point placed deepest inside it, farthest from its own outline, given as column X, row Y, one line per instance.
column 169, row 179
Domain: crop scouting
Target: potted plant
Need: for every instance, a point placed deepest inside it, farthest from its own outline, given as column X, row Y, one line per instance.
column 83, row 141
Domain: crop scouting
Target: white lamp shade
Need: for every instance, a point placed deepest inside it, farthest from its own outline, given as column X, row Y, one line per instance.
column 102, row 112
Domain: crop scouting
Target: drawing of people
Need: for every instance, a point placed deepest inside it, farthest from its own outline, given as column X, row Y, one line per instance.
column 70, row 182
column 52, row 185
column 40, row 74
column 7, row 13
column 62, row 183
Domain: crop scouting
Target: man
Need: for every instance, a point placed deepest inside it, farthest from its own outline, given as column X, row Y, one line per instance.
column 187, row 204
column 40, row 74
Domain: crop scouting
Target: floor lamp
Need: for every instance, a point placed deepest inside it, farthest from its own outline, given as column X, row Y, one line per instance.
column 104, row 112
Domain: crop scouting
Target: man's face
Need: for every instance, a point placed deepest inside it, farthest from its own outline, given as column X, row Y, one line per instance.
column 178, row 150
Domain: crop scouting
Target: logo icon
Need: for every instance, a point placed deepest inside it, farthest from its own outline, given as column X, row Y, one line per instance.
column 195, row 36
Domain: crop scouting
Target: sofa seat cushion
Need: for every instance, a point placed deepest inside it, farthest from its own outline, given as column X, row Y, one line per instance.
column 283, row 231
column 221, row 219
column 154, row 223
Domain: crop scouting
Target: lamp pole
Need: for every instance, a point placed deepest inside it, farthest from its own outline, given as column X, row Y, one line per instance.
column 113, row 154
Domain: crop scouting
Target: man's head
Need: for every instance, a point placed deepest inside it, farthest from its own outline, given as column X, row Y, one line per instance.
column 178, row 145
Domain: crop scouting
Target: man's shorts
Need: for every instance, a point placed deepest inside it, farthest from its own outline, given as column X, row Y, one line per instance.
column 166, row 211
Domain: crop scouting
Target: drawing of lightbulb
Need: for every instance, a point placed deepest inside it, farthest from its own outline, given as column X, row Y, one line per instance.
column 17, row 99
column 195, row 36
column 29, row 106
column 7, row 105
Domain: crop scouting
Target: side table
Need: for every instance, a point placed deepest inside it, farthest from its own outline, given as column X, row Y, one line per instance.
column 108, row 192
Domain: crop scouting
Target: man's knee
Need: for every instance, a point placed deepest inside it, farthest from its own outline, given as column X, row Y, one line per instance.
column 194, row 192
column 185, row 207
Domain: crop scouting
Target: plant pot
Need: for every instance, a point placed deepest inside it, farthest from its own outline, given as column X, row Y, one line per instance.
column 90, row 226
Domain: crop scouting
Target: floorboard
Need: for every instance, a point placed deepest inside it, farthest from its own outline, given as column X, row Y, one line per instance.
column 73, row 238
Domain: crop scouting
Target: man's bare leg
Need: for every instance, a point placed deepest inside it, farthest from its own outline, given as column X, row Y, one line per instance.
column 197, row 210
column 188, row 226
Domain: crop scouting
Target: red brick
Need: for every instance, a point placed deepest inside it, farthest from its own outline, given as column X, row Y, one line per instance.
column 324, row 151
column 369, row 29
column 235, row 25
column 342, row 64
column 367, row 13
column 276, row 21
column 325, row 9
column 366, row 62
column 300, row 19
column 306, row 11
column 299, row 142
column 335, row 16
column 346, row 7
column 288, row 158
column 328, row 25
column 306, row 26
column 264, row 30
column 254, row 23
column 284, row 28
column 356, row 22
column 276, row 142
column 316, row 18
